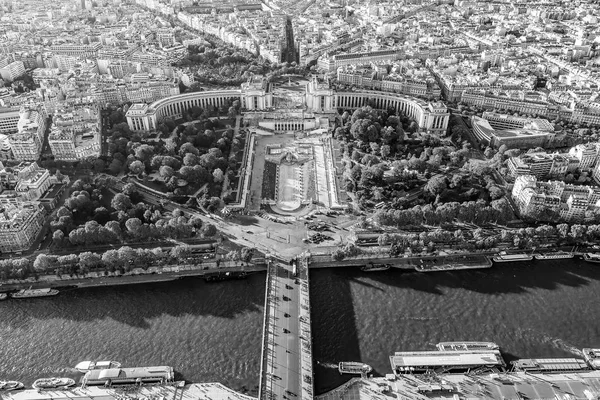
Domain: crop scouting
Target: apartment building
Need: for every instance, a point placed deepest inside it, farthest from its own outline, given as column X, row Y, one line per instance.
column 19, row 225
column 75, row 133
column 26, row 144
column 570, row 202
column 12, row 71
column 587, row 154
column 540, row 165
column 9, row 118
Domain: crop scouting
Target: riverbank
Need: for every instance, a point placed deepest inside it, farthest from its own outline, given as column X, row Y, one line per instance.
column 128, row 279
column 443, row 262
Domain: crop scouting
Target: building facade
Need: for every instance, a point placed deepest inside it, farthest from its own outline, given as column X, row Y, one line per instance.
column 20, row 225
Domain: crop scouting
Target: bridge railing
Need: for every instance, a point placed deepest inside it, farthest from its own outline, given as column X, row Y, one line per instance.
column 305, row 335
column 264, row 385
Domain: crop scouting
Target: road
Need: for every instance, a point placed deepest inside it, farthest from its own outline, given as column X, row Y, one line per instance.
column 283, row 348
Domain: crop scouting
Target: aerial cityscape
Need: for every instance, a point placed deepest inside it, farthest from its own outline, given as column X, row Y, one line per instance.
column 297, row 200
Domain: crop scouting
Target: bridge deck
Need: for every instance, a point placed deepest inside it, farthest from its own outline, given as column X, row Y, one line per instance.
column 286, row 367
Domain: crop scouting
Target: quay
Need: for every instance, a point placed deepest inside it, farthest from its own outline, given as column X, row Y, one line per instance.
column 498, row 386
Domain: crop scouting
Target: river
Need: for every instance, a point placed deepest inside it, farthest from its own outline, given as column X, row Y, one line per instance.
column 212, row 332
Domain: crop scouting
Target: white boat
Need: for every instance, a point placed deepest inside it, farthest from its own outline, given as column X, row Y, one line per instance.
column 53, row 383
column 512, row 257
column 375, row 267
column 351, row 367
column 86, row 366
column 3, row 296
column 29, row 293
column 592, row 357
column 558, row 255
column 592, row 257
column 466, row 346
column 11, row 385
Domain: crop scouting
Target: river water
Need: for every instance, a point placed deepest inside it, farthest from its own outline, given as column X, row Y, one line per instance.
column 212, row 332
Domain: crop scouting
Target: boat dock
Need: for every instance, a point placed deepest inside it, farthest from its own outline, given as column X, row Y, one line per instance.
column 453, row 263
column 549, row 365
column 446, row 361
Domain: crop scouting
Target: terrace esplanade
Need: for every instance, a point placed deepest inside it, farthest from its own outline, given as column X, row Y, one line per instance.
column 317, row 97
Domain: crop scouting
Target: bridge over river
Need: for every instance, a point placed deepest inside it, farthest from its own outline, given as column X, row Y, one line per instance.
column 286, row 364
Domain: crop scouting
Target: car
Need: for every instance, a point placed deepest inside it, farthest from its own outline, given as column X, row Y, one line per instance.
column 286, row 315
column 288, row 286
column 285, row 298
column 249, row 232
column 285, row 330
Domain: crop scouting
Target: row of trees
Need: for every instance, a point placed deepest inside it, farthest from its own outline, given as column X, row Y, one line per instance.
column 121, row 260
column 477, row 212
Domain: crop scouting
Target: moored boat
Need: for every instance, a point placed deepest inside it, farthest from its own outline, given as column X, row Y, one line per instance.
column 53, row 383
column 3, row 296
column 557, row 255
column 592, row 357
column 512, row 257
column 29, row 293
column 86, row 366
column 466, row 346
column 11, row 385
column 220, row 276
column 351, row 367
column 592, row 257
column 375, row 267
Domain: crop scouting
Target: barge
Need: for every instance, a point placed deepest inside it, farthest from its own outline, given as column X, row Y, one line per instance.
column 592, row 357
column 466, row 346
column 557, row 255
column 351, row 367
column 499, row 258
column 30, row 293
column 592, row 257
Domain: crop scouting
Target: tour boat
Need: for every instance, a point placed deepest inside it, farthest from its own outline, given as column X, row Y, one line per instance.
column 592, row 257
column 592, row 357
column 53, row 383
column 11, row 385
column 29, row 293
column 86, row 366
column 375, row 267
column 466, row 346
column 558, row 255
column 351, row 367
column 512, row 257
column 3, row 296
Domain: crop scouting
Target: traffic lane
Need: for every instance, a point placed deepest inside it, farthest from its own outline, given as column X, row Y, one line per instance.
column 288, row 350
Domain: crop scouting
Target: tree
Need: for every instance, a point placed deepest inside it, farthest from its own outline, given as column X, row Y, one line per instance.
column 181, row 251
column 436, row 185
column 42, row 263
column 89, row 260
column 218, row 175
column 115, row 166
column 121, row 202
column 188, row 148
column 133, row 226
column 209, row 230
column 58, row 236
column 247, row 254
column 166, row 172
column 338, row 254
column 385, row 151
column 136, row 167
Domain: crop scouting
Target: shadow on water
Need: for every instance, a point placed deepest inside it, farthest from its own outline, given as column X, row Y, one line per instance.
column 500, row 279
column 136, row 305
column 333, row 328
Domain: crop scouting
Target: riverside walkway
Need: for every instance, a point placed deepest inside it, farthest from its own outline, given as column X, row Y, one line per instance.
column 286, row 363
